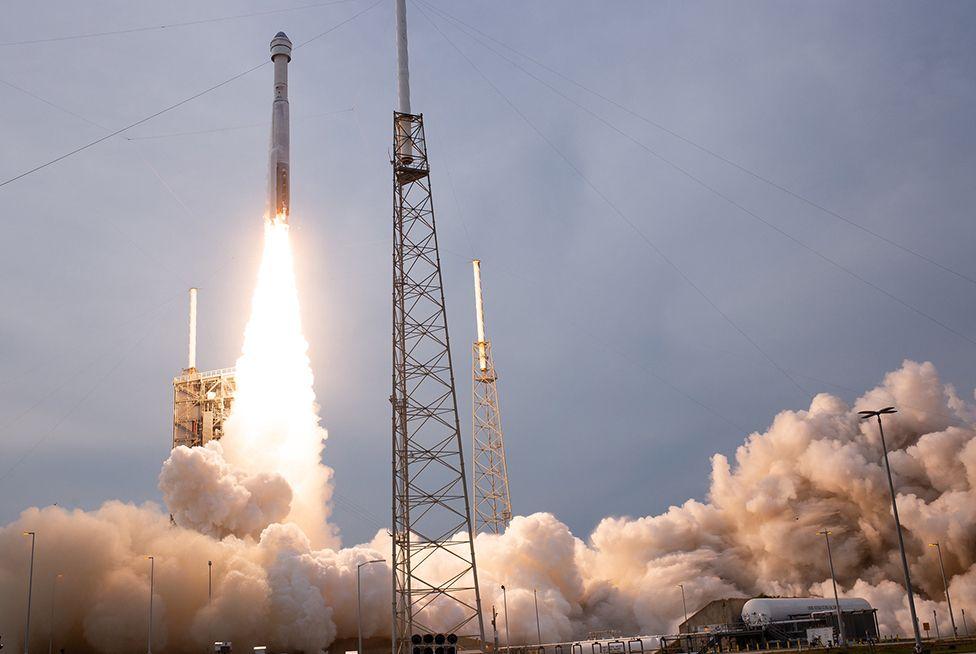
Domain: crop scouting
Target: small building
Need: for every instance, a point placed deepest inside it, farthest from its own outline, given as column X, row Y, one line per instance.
column 739, row 623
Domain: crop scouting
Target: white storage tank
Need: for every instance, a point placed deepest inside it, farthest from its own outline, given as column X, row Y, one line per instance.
column 763, row 610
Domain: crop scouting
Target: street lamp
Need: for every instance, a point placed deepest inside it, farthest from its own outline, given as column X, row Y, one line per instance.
column 152, row 581
column 865, row 415
column 945, row 584
column 935, row 619
column 54, row 596
column 508, row 639
column 685, row 606
column 30, row 591
column 683, row 603
column 209, row 603
column 538, row 628
column 833, row 580
column 359, row 601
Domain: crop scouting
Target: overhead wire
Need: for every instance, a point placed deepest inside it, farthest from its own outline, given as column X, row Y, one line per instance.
column 150, row 28
column 701, row 182
column 782, row 370
column 629, row 359
column 181, row 102
column 789, row 376
column 234, row 127
column 170, row 271
column 620, row 214
column 709, row 151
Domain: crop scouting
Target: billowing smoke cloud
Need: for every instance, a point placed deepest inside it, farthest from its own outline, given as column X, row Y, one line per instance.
column 755, row 533
column 207, row 494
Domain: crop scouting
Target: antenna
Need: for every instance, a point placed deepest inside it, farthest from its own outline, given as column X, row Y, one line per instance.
column 191, row 358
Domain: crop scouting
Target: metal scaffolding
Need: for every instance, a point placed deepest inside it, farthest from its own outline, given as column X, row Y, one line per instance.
column 201, row 400
column 434, row 573
column 492, row 502
column 201, row 403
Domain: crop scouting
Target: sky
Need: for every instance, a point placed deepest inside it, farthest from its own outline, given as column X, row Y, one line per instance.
column 690, row 216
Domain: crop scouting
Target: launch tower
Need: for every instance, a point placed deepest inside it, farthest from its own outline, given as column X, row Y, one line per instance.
column 492, row 503
column 201, row 400
column 435, row 580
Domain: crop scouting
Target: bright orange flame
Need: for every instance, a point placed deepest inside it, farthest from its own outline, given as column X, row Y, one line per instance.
column 274, row 426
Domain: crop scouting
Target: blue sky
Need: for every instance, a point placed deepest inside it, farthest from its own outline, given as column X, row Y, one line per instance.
column 620, row 373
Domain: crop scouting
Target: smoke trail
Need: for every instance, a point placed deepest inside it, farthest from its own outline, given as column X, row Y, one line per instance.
column 754, row 533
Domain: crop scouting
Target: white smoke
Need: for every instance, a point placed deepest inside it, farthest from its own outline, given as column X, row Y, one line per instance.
column 207, row 494
column 756, row 533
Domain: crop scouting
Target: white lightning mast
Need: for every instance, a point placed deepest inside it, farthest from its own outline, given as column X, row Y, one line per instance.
column 492, row 502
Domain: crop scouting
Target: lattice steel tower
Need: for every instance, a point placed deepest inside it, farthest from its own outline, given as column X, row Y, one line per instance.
column 435, row 580
column 489, row 471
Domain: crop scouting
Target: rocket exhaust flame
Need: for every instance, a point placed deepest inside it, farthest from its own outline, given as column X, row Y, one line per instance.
column 274, row 425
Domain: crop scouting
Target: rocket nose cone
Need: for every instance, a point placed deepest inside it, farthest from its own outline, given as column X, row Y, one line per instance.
column 281, row 44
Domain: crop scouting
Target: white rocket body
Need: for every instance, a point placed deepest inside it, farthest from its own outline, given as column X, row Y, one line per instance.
column 279, row 175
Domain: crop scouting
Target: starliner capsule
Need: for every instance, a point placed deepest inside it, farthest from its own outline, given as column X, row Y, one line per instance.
column 279, row 202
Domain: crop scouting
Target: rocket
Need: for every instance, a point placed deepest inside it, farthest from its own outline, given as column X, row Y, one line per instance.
column 279, row 202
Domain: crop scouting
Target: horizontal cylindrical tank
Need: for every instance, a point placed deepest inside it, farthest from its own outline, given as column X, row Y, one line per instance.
column 763, row 610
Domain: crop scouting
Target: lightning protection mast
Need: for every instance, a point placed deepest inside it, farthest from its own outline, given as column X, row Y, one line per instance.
column 492, row 503
column 435, row 581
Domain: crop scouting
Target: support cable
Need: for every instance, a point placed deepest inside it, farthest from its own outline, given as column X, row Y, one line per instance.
column 152, row 28
column 712, row 153
column 736, row 204
column 633, row 226
column 181, row 102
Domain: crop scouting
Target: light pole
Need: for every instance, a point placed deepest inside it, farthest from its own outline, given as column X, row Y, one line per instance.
column 685, row 606
column 359, row 601
column 683, row 603
column 935, row 619
column 209, row 604
column 538, row 628
column 54, row 596
column 965, row 625
column 508, row 638
column 30, row 591
column 152, row 581
column 945, row 584
column 833, row 580
column 865, row 415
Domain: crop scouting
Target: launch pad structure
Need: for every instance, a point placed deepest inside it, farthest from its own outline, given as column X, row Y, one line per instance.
column 489, row 470
column 435, row 579
column 202, row 400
